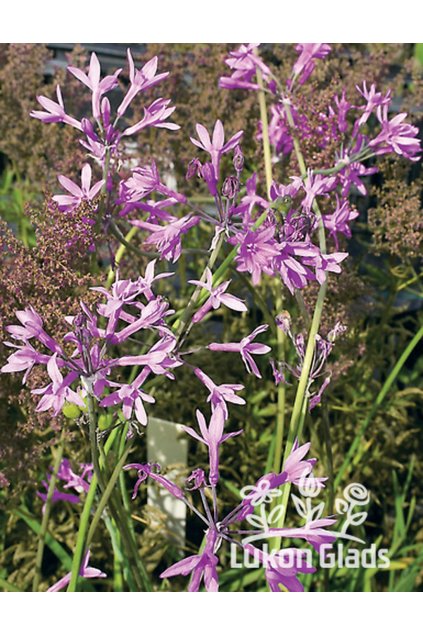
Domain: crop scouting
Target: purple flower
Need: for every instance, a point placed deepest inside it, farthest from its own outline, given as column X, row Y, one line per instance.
column 374, row 100
column 58, row 391
column 326, row 263
column 316, row 185
column 23, row 360
column 249, row 201
column 140, row 80
column 77, row 194
column 256, row 252
column 167, row 239
column 215, row 146
column 55, row 111
column 305, row 64
column 32, row 326
column 152, row 470
column 143, row 182
column 313, row 533
column 244, row 63
column 343, row 106
column 217, row 297
column 213, row 437
column 92, row 80
column 339, row 221
column 85, row 571
column 132, row 397
column 72, row 480
column 396, row 136
column 282, row 567
column 246, row 348
column 202, row 566
column 293, row 273
column 220, row 394
column 154, row 117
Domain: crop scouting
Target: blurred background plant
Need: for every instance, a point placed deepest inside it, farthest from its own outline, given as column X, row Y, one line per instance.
column 370, row 411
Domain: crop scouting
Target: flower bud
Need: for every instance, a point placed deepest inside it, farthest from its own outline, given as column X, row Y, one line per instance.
column 194, row 169
column 230, row 187
column 105, row 111
column 238, row 159
column 283, row 321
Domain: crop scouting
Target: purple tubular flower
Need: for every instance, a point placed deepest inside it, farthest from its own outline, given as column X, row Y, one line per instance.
column 167, row 239
column 92, row 80
column 244, row 63
column 132, row 397
column 220, row 394
column 256, row 252
column 305, row 64
column 215, row 146
column 77, row 194
column 396, row 136
column 72, row 480
column 246, row 348
column 326, row 263
column 196, row 480
column 58, row 391
column 55, row 112
column 374, row 100
column 86, row 571
column 58, row 496
column 213, row 437
column 152, row 470
column 154, row 117
column 140, row 80
column 313, row 533
column 250, row 201
column 201, row 567
column 282, row 567
column 144, row 181
column 32, row 326
column 23, row 360
column 339, row 221
column 217, row 297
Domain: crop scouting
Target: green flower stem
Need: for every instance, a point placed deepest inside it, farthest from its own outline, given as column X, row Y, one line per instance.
column 46, row 515
column 265, row 133
column 119, row 255
column 109, row 496
column 84, row 521
column 300, row 403
column 281, row 392
column 379, row 400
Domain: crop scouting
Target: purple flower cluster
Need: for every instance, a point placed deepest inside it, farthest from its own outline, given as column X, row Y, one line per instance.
column 281, row 569
column 86, row 356
column 322, row 350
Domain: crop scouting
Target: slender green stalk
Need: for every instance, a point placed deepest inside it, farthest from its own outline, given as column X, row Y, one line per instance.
column 379, row 400
column 119, row 255
column 265, row 133
column 281, row 392
column 106, row 495
column 84, row 522
column 82, row 531
column 46, row 515
column 300, row 403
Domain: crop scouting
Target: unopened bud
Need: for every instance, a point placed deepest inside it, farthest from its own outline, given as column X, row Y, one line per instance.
column 283, row 321
column 238, row 159
column 194, row 169
column 230, row 187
